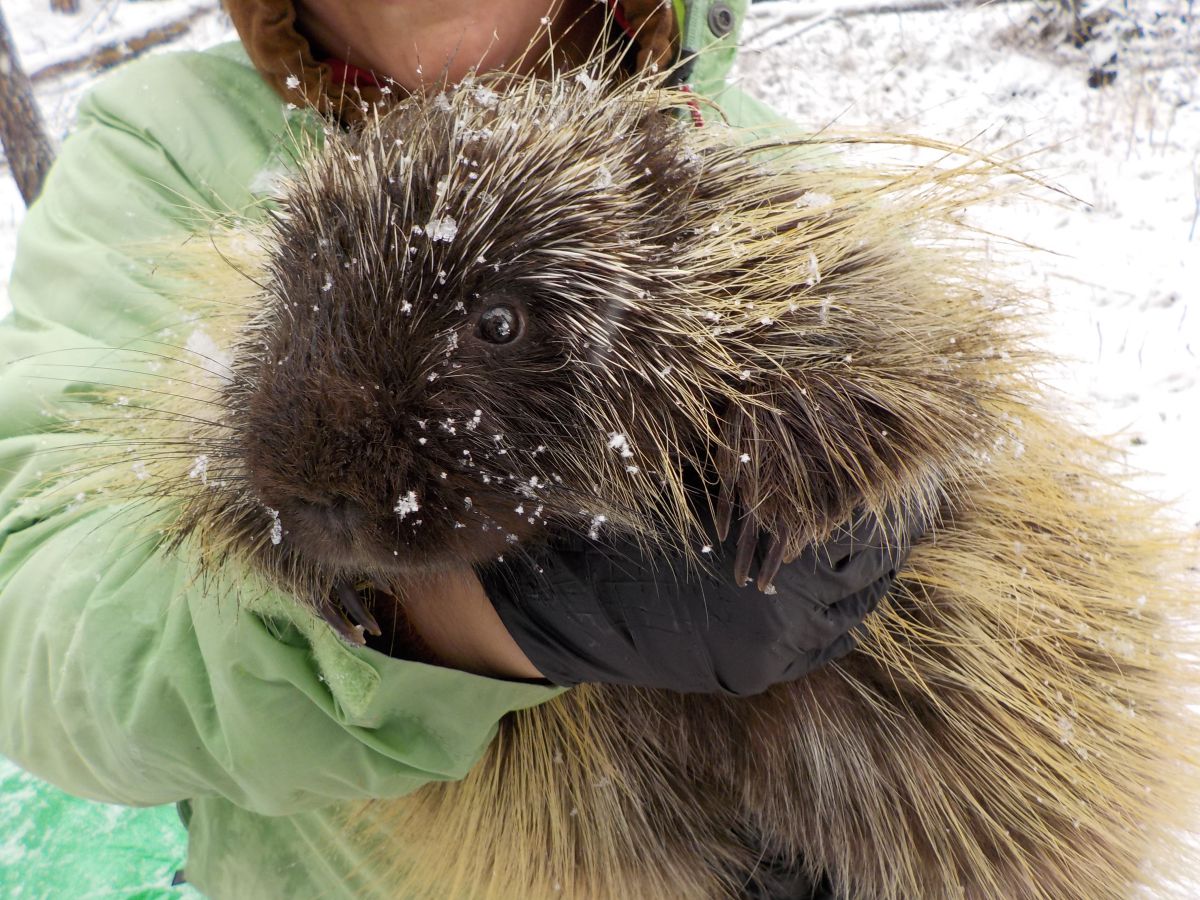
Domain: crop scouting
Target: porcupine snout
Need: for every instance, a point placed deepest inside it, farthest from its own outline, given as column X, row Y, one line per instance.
column 366, row 468
column 318, row 451
column 332, row 513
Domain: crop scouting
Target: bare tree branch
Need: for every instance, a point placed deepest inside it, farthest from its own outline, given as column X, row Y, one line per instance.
column 22, row 131
column 794, row 18
column 114, row 52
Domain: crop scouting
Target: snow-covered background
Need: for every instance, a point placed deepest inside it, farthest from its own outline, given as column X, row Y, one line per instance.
column 1118, row 268
column 46, row 40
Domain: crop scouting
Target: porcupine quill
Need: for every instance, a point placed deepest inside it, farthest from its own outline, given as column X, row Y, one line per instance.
column 525, row 306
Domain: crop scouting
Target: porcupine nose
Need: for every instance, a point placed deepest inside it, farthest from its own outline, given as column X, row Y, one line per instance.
column 339, row 514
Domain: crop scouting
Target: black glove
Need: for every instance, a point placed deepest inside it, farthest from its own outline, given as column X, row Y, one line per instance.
column 584, row 610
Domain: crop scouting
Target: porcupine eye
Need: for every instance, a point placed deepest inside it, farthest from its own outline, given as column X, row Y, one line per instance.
column 499, row 324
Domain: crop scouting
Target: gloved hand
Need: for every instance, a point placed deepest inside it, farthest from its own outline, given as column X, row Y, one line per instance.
column 600, row 610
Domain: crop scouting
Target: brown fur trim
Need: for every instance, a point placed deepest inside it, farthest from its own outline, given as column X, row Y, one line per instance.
column 655, row 29
column 279, row 52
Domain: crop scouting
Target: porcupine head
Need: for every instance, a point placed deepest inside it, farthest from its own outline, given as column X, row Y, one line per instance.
column 527, row 306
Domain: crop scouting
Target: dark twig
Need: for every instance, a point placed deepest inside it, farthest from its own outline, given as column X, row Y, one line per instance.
column 114, row 52
column 22, row 131
column 796, row 18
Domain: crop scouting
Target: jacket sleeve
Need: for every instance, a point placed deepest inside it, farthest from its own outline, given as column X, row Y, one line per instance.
column 127, row 678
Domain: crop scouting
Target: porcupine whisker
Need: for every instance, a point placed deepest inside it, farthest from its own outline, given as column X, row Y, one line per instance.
column 171, row 378
column 163, row 415
column 76, row 474
column 229, row 371
column 225, row 259
column 160, row 491
column 70, row 479
column 131, row 347
column 190, row 447
column 134, row 388
column 129, row 548
column 159, row 485
column 103, row 351
column 208, row 301
column 150, row 449
column 231, row 483
column 208, row 443
column 214, row 461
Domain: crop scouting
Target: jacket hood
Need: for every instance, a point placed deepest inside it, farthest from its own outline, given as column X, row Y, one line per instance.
column 286, row 59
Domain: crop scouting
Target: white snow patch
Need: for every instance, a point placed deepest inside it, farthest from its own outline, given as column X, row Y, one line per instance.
column 276, row 526
column 199, row 469
column 407, row 504
column 587, row 81
column 814, row 199
column 814, row 270
column 442, row 229
column 594, row 526
column 485, row 97
column 620, row 443
column 214, row 359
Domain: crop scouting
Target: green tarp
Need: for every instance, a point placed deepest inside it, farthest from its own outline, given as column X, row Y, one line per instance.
column 57, row 847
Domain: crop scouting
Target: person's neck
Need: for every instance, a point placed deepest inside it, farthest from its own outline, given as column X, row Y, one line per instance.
column 421, row 44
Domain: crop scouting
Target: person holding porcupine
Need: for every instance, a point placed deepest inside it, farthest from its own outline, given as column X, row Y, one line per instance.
column 138, row 687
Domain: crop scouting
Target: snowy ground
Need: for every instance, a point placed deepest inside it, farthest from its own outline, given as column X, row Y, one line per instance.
column 44, row 39
column 1120, row 266
column 1121, row 274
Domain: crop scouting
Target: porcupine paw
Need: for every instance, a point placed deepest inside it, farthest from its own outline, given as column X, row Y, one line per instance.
column 767, row 536
column 753, row 546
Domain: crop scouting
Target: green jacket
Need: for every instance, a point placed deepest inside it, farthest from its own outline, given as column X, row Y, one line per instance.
column 124, row 679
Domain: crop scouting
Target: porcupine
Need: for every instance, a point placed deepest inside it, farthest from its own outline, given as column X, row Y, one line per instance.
column 531, row 306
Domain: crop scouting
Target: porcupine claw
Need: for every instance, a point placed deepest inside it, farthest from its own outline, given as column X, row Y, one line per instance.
column 771, row 563
column 724, row 512
column 747, row 543
column 333, row 616
column 727, row 468
column 352, row 604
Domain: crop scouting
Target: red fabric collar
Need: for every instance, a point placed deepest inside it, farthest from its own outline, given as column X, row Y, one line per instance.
column 345, row 74
column 619, row 15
